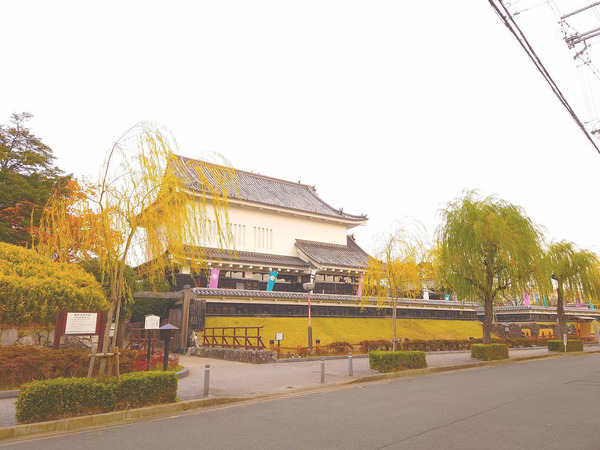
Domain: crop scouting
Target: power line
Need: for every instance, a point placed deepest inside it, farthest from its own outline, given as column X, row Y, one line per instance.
column 510, row 23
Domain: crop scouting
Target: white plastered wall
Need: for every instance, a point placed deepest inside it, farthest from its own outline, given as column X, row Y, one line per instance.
column 278, row 231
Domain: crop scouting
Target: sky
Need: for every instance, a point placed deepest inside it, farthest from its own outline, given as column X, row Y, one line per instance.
column 390, row 108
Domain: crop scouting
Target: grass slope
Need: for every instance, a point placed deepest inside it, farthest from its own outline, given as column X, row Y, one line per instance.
column 350, row 330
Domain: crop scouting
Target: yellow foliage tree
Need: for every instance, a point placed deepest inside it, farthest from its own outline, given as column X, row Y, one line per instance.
column 147, row 208
column 33, row 288
column 395, row 271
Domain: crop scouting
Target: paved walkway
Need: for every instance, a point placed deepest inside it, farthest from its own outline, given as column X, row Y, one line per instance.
column 233, row 379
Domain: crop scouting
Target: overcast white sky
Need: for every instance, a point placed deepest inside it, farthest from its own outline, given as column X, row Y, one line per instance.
column 391, row 108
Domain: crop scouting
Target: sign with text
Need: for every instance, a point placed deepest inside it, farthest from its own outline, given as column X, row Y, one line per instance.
column 279, row 336
column 81, row 323
column 152, row 322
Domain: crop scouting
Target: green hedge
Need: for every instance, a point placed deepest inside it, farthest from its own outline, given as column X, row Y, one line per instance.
column 384, row 361
column 559, row 346
column 138, row 389
column 489, row 352
column 44, row 400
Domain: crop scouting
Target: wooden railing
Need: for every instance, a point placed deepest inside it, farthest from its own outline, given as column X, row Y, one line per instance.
column 233, row 337
column 138, row 339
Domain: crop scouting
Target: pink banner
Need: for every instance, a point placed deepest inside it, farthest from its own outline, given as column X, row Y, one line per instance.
column 578, row 300
column 214, row 279
column 525, row 298
column 359, row 292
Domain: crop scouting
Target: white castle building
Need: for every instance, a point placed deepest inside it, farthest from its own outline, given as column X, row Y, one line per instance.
column 279, row 226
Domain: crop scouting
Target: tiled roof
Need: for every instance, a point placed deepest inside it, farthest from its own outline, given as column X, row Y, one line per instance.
column 258, row 259
column 264, row 190
column 350, row 255
column 281, row 295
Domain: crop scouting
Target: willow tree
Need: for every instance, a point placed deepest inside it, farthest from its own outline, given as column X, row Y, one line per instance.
column 394, row 272
column 148, row 209
column 575, row 272
column 487, row 247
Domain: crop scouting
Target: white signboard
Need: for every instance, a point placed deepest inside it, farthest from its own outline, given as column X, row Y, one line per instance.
column 152, row 322
column 81, row 323
column 279, row 336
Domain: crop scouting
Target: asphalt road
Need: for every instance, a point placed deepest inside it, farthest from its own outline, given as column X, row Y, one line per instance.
column 545, row 404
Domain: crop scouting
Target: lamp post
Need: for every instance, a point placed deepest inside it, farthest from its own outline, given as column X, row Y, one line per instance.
column 309, row 287
column 167, row 332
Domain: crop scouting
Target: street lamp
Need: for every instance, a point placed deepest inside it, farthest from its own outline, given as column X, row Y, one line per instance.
column 309, row 287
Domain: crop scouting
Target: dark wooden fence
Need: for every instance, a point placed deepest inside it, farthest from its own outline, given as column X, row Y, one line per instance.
column 233, row 337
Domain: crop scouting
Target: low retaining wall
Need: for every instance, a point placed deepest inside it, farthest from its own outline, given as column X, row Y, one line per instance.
column 235, row 354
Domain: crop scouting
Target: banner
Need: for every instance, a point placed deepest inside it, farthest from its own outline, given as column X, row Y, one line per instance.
column 272, row 278
column 214, row 279
column 526, row 299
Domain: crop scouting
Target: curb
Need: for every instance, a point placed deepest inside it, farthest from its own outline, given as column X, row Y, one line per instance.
column 475, row 364
column 121, row 417
column 111, row 418
column 9, row 394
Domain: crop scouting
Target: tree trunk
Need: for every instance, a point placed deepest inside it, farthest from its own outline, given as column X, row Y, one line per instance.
column 560, row 312
column 488, row 317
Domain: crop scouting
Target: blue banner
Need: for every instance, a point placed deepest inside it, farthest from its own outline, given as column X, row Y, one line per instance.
column 272, row 278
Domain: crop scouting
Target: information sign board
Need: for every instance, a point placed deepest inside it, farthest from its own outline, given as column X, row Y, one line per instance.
column 81, row 323
column 152, row 322
column 279, row 336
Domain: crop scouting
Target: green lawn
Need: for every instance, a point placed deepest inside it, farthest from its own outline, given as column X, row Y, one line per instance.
column 352, row 330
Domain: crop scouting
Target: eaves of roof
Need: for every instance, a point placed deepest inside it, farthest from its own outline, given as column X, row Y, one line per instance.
column 267, row 191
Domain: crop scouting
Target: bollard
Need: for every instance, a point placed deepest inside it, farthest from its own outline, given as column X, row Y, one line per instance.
column 350, row 370
column 322, row 370
column 565, row 342
column 206, row 379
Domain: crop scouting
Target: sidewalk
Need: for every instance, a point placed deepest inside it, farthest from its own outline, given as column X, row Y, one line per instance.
column 233, row 379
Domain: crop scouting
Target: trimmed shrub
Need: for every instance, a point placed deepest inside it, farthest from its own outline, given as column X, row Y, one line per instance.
column 385, row 361
column 139, row 389
column 339, row 348
column 559, row 346
column 489, row 352
column 45, row 400
column 40, row 401
column 371, row 346
column 34, row 288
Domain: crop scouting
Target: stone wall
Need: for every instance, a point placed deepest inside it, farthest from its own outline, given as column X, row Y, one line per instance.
column 235, row 354
column 39, row 337
column 515, row 330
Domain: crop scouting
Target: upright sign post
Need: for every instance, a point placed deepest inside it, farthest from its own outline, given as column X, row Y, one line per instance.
column 151, row 322
column 279, row 338
column 79, row 323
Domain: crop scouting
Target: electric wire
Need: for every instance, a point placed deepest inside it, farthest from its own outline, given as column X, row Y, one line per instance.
column 513, row 27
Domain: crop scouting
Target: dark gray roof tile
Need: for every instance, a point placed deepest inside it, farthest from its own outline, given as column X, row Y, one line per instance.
column 264, row 190
column 258, row 259
column 350, row 255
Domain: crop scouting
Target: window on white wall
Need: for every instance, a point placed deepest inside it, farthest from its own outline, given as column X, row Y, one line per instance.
column 236, row 230
column 263, row 238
